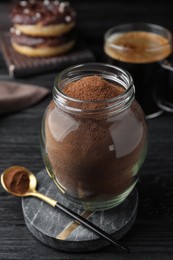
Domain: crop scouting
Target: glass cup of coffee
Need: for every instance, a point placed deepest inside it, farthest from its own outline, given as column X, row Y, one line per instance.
column 144, row 50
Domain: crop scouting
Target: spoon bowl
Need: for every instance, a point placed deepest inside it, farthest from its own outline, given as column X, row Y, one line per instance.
column 32, row 181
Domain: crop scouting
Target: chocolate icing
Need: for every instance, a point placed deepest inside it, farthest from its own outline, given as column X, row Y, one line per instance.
column 43, row 12
column 26, row 40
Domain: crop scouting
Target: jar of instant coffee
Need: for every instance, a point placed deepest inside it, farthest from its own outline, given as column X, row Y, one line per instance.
column 94, row 135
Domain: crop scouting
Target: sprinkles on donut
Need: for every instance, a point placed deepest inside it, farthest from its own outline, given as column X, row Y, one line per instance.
column 43, row 28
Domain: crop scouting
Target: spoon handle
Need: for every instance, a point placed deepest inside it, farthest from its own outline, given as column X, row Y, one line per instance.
column 80, row 219
column 92, row 227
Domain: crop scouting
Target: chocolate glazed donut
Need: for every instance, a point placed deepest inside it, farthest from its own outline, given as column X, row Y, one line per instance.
column 43, row 28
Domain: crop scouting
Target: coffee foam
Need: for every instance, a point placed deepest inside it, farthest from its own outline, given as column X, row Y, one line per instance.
column 137, row 47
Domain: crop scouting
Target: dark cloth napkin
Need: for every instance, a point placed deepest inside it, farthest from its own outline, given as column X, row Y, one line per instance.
column 17, row 96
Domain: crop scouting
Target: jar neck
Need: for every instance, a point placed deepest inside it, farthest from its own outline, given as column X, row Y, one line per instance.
column 109, row 73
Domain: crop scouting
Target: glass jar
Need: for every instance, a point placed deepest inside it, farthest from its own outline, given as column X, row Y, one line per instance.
column 94, row 155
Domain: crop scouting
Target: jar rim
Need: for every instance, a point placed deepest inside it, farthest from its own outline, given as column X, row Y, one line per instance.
column 94, row 68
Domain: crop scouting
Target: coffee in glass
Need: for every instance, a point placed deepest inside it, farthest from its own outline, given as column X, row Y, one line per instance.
column 141, row 49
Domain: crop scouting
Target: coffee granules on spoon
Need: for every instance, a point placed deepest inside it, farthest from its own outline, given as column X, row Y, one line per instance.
column 17, row 180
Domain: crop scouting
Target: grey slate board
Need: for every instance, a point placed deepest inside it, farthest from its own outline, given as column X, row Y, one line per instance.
column 47, row 223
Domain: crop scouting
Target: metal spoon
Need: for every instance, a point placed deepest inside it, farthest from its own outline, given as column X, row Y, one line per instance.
column 33, row 192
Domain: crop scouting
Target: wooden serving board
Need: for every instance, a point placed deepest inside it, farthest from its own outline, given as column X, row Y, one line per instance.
column 20, row 65
column 56, row 229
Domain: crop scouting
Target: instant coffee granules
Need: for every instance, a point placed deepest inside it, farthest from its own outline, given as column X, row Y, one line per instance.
column 17, row 180
column 95, row 144
column 92, row 88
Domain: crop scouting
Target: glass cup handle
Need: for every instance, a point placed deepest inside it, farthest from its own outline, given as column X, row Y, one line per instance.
column 164, row 94
column 167, row 65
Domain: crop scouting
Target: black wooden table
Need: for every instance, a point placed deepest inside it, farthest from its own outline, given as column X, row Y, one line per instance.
column 152, row 234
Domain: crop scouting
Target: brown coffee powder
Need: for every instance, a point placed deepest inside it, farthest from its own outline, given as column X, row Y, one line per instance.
column 17, row 180
column 92, row 88
column 93, row 157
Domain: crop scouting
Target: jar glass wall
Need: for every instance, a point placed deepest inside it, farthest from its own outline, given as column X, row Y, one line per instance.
column 93, row 150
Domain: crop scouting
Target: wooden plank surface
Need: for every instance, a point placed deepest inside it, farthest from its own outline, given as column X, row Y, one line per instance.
column 152, row 234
